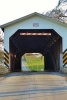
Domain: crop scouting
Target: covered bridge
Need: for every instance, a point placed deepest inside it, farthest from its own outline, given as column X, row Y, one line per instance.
column 35, row 33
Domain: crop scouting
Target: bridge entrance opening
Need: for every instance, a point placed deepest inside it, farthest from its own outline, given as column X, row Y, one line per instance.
column 32, row 62
column 44, row 41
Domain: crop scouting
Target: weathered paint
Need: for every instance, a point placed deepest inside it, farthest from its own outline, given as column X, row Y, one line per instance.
column 37, row 22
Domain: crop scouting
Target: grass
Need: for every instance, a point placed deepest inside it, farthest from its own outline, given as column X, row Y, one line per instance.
column 64, row 69
column 35, row 63
column 3, row 70
column 1, row 54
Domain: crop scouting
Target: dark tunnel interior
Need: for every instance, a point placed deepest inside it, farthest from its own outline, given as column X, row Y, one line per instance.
column 49, row 46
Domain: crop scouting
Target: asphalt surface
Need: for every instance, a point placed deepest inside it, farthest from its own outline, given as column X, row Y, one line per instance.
column 33, row 86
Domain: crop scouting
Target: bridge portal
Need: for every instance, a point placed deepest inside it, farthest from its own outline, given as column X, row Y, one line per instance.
column 44, row 41
column 35, row 33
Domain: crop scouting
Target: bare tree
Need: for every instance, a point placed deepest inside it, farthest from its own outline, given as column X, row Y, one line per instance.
column 59, row 13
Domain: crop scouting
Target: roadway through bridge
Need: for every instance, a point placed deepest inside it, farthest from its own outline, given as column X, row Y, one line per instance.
column 33, row 86
column 24, row 66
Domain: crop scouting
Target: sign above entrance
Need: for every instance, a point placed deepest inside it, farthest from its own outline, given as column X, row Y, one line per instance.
column 35, row 33
column 35, row 24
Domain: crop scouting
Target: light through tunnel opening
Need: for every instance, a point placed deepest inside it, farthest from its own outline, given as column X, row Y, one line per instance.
column 32, row 62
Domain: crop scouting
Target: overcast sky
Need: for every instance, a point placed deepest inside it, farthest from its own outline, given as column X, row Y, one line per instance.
column 13, row 9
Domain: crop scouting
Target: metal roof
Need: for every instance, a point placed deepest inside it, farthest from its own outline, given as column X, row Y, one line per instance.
column 31, row 15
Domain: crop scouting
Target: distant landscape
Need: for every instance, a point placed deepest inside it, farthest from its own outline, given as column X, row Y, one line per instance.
column 35, row 62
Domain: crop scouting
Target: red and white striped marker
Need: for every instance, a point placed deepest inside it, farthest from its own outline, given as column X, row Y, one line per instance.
column 35, row 33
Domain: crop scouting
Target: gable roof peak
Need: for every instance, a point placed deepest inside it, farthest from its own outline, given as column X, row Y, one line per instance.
column 30, row 15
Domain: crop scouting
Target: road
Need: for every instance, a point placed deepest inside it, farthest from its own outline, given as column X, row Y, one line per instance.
column 24, row 66
column 33, row 86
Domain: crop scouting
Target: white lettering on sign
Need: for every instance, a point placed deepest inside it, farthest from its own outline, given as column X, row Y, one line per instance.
column 35, row 24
